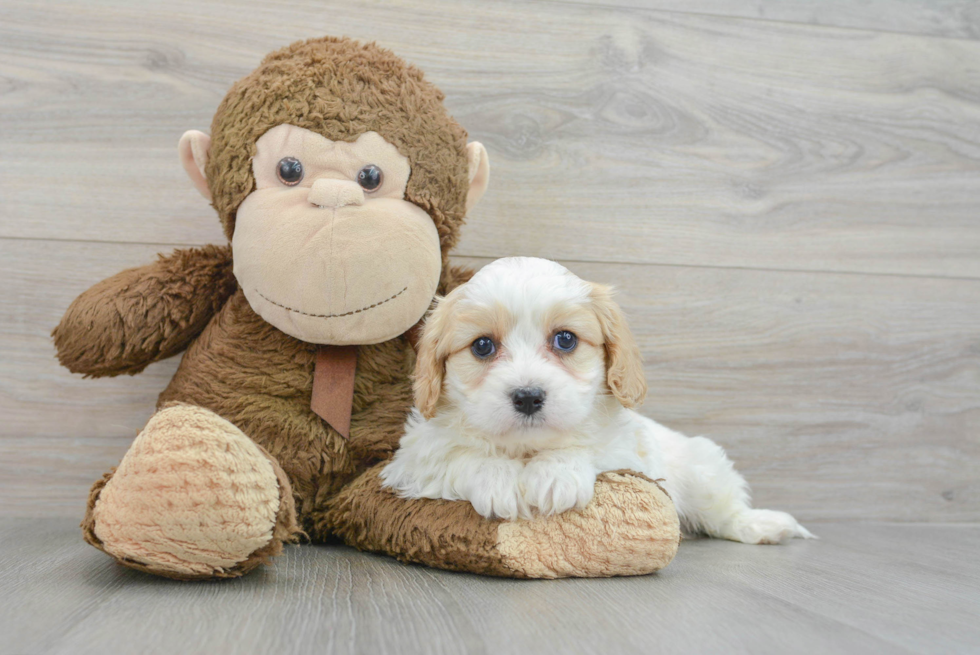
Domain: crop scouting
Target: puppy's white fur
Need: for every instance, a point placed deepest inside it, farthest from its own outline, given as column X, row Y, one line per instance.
column 466, row 440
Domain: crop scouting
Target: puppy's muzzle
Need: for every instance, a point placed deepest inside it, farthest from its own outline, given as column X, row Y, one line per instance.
column 528, row 400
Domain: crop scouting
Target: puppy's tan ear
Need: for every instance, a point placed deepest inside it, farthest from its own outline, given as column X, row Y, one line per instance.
column 430, row 365
column 624, row 364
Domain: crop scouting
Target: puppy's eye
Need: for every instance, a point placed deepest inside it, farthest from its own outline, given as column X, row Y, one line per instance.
column 483, row 347
column 289, row 170
column 370, row 177
column 565, row 341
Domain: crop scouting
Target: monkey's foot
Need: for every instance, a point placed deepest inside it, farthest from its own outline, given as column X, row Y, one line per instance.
column 629, row 528
column 193, row 498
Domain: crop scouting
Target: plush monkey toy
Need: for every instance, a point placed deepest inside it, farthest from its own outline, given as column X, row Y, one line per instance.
column 341, row 183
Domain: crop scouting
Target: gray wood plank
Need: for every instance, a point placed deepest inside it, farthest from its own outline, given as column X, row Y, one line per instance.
column 839, row 396
column 861, row 588
column 944, row 18
column 61, row 431
column 616, row 134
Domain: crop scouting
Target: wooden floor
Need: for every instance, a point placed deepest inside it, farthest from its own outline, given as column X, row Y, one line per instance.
column 862, row 588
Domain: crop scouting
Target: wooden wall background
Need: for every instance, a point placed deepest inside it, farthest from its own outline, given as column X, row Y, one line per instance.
column 786, row 191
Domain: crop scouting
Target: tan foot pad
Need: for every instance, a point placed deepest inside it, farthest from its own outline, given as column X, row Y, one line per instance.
column 629, row 528
column 193, row 497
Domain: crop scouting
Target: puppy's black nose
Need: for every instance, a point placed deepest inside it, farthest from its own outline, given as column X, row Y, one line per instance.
column 528, row 400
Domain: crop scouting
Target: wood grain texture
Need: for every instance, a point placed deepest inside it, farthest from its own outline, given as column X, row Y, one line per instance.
column 616, row 134
column 838, row 396
column 730, row 175
column 862, row 588
column 944, row 18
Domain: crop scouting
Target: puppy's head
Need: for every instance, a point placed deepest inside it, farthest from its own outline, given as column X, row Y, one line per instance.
column 526, row 345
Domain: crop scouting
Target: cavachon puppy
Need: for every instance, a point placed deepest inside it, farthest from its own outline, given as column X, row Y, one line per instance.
column 524, row 381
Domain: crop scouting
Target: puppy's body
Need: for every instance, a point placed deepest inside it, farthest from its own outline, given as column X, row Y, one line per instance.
column 517, row 423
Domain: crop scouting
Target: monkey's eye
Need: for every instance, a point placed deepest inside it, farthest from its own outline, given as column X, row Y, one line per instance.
column 483, row 347
column 565, row 341
column 289, row 170
column 370, row 177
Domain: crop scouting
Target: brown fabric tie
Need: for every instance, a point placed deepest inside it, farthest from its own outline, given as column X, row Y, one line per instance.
column 333, row 386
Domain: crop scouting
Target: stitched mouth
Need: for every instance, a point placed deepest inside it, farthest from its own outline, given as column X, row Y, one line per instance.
column 350, row 313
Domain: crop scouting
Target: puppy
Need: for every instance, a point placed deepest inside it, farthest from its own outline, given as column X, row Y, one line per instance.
column 524, row 383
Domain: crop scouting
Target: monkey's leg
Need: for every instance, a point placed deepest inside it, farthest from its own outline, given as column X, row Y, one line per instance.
column 629, row 528
column 193, row 498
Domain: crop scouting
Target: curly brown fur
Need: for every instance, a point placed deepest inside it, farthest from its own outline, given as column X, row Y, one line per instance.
column 240, row 366
column 261, row 379
column 340, row 89
column 142, row 315
column 630, row 528
column 440, row 533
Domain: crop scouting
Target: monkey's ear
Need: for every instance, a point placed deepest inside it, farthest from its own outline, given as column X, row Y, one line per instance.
column 193, row 149
column 479, row 165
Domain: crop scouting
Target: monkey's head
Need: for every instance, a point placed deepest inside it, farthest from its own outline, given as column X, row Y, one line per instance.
column 342, row 183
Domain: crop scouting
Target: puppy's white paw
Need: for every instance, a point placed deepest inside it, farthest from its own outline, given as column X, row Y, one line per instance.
column 493, row 489
column 552, row 486
column 765, row 526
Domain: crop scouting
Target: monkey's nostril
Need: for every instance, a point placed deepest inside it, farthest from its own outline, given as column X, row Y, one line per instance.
column 528, row 400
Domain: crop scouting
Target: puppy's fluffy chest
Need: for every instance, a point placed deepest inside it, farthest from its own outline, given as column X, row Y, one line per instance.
column 520, row 474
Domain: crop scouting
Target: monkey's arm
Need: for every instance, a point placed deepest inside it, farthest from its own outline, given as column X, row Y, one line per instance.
column 629, row 528
column 453, row 276
column 145, row 314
